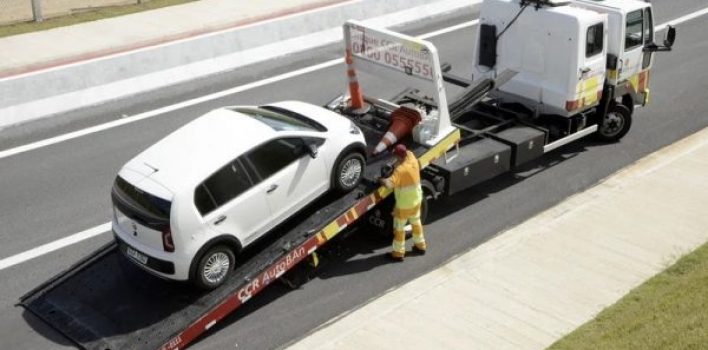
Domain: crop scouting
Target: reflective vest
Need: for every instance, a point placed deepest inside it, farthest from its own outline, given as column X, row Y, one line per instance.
column 406, row 183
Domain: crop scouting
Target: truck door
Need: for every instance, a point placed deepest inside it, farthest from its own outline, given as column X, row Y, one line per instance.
column 648, row 38
column 632, row 59
column 592, row 65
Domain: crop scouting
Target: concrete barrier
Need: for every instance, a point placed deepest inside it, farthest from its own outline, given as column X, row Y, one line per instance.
column 58, row 90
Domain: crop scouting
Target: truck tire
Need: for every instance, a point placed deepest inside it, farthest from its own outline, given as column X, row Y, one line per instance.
column 348, row 171
column 214, row 267
column 615, row 124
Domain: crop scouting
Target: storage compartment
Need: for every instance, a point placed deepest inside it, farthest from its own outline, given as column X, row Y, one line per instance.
column 477, row 162
column 526, row 143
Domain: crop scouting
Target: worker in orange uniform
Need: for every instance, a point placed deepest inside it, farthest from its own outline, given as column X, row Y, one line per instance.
column 405, row 183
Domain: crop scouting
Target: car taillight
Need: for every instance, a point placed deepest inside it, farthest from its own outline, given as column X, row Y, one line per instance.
column 167, row 244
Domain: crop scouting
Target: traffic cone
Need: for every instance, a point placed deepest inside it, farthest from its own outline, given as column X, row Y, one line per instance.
column 403, row 120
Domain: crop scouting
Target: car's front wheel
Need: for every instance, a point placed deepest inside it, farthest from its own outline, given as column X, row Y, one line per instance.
column 214, row 267
column 348, row 171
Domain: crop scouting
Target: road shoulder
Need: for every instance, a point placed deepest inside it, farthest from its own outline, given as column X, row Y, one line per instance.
column 542, row 279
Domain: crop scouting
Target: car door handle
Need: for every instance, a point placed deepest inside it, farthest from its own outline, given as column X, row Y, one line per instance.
column 272, row 188
column 220, row 219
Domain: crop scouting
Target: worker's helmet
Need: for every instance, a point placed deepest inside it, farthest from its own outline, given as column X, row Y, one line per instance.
column 400, row 150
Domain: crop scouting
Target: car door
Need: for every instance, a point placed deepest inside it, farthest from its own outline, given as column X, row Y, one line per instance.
column 291, row 176
column 231, row 203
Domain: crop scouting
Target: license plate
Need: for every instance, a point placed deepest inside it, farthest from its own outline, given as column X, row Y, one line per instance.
column 141, row 258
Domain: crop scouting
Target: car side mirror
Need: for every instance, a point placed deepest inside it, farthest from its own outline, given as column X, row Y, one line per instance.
column 312, row 150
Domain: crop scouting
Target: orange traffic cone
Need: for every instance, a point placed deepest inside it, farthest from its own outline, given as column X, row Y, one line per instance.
column 403, row 120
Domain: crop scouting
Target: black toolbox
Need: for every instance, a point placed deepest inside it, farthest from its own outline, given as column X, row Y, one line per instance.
column 476, row 162
column 526, row 143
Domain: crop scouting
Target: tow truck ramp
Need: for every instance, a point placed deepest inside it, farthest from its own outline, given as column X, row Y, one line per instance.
column 106, row 302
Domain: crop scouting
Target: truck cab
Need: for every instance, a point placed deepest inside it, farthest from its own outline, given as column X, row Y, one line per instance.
column 630, row 39
column 579, row 62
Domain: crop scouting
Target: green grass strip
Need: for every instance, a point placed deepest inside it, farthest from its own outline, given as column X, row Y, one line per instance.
column 87, row 16
column 669, row 311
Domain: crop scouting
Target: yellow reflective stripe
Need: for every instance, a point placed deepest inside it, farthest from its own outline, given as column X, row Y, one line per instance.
column 399, row 224
column 408, row 197
column 634, row 80
column 590, row 92
column 399, row 246
column 586, row 91
column 612, row 74
column 443, row 146
column 418, row 239
column 331, row 230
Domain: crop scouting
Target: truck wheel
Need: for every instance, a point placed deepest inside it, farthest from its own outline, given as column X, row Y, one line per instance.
column 615, row 124
column 348, row 172
column 214, row 267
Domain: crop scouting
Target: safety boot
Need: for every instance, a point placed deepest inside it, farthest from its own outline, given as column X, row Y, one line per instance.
column 397, row 256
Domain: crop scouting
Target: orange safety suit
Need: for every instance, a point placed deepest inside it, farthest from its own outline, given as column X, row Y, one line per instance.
column 405, row 182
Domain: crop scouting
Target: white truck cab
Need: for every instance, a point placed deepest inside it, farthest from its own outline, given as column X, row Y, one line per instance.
column 631, row 32
column 576, row 59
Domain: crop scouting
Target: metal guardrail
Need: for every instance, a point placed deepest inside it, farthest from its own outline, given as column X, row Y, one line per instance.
column 15, row 11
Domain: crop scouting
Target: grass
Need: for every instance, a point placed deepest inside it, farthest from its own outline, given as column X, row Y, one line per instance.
column 670, row 311
column 87, row 16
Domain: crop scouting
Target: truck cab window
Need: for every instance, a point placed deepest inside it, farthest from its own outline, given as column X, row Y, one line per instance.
column 594, row 42
column 648, row 27
column 634, row 31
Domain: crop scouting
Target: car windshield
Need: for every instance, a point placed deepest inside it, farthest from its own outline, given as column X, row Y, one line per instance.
column 280, row 120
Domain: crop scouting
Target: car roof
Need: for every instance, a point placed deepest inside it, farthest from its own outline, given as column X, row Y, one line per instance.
column 189, row 155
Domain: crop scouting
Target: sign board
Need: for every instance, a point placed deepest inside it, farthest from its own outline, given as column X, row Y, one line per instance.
column 401, row 58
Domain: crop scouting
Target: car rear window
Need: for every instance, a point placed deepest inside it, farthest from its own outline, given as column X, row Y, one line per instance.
column 141, row 200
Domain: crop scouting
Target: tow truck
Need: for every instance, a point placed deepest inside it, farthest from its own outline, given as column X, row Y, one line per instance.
column 491, row 127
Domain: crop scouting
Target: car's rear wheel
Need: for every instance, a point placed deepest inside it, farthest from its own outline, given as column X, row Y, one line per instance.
column 214, row 267
column 348, row 171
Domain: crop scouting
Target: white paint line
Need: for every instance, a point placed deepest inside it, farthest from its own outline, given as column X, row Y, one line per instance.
column 196, row 101
column 682, row 19
column 95, row 231
column 52, row 246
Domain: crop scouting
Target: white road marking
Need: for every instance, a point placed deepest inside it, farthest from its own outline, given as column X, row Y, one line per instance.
column 52, row 246
column 196, row 101
column 682, row 19
column 95, row 231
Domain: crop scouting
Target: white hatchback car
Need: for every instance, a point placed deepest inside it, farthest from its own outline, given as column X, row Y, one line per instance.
column 187, row 205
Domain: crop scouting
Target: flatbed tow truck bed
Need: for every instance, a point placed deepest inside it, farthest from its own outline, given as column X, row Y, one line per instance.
column 106, row 302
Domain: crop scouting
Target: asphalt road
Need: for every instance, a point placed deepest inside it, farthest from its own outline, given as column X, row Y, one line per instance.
column 62, row 189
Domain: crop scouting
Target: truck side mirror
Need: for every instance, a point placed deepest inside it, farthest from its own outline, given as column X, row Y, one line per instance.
column 670, row 37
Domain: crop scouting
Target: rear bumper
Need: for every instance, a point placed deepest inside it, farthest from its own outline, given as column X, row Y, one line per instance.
column 152, row 264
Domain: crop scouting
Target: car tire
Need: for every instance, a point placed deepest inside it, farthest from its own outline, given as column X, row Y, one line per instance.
column 214, row 267
column 348, row 171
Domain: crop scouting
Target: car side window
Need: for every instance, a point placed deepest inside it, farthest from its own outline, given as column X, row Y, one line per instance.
column 221, row 187
column 273, row 156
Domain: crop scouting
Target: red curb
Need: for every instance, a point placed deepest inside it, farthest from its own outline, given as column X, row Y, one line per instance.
column 154, row 42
